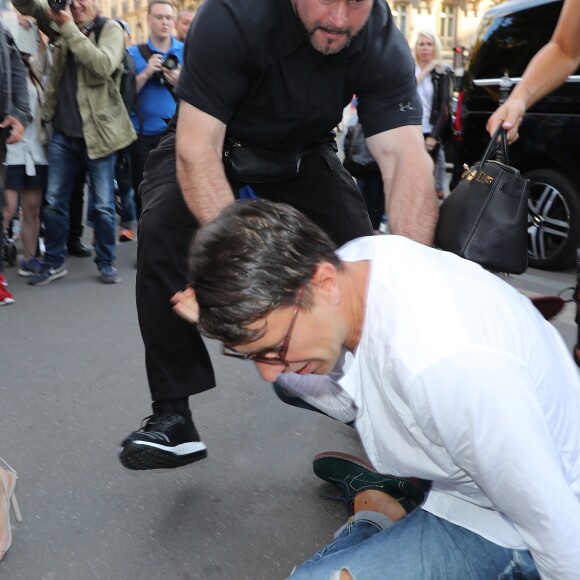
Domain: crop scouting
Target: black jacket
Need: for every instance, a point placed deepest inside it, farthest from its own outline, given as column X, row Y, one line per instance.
column 441, row 107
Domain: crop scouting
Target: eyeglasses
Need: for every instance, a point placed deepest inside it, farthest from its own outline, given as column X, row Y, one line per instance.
column 160, row 17
column 273, row 357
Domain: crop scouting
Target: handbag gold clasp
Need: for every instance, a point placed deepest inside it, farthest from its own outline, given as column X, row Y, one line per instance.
column 480, row 176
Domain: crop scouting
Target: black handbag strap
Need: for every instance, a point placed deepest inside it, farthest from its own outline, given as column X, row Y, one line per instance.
column 501, row 134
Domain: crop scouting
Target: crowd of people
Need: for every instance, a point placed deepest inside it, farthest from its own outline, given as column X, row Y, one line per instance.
column 83, row 136
column 464, row 397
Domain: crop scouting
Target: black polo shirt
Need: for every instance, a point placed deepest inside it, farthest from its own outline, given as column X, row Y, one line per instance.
column 250, row 64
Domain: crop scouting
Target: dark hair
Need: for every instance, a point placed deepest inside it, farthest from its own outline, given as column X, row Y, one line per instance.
column 251, row 260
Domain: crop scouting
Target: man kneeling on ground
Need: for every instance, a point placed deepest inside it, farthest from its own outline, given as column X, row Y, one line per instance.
column 455, row 378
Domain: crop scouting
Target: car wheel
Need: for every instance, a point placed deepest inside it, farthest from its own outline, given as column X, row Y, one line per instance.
column 553, row 219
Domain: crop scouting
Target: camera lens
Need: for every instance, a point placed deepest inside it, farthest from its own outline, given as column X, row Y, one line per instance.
column 171, row 62
column 58, row 4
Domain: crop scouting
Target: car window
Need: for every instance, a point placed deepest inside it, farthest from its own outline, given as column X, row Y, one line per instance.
column 505, row 44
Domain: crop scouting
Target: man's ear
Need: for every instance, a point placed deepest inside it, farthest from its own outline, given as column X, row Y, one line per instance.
column 325, row 279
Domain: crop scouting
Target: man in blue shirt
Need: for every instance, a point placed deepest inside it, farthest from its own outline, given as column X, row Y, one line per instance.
column 156, row 76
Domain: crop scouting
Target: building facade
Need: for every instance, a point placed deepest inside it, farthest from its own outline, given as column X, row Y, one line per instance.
column 454, row 21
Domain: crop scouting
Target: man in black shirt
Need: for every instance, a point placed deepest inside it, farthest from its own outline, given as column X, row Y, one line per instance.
column 263, row 85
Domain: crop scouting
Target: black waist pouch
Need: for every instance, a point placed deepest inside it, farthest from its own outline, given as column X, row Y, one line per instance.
column 252, row 164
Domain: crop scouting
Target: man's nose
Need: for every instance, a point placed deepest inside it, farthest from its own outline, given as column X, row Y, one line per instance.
column 270, row 372
column 338, row 14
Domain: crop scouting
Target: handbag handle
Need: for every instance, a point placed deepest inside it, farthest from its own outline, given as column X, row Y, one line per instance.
column 493, row 146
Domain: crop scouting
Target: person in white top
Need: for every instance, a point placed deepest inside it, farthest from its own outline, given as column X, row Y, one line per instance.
column 454, row 376
column 434, row 90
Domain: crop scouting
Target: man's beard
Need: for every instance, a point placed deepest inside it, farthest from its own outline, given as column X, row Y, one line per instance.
column 331, row 48
column 325, row 49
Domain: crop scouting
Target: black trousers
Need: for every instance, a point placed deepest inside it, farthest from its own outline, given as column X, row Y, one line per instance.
column 139, row 152
column 373, row 192
column 178, row 364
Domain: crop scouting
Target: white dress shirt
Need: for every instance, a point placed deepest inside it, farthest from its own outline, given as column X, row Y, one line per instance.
column 459, row 380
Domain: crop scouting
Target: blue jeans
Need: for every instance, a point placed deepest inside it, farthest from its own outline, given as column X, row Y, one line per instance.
column 65, row 154
column 127, row 210
column 421, row 546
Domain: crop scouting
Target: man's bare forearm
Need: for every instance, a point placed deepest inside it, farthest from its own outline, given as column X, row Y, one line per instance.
column 200, row 171
column 407, row 170
column 205, row 189
column 411, row 203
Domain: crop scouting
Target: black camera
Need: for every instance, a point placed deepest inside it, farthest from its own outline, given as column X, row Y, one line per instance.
column 58, row 4
column 171, row 62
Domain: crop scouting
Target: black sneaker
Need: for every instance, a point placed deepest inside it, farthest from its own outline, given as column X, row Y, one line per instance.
column 166, row 440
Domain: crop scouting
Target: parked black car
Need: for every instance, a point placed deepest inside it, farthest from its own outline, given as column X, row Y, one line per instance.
column 548, row 150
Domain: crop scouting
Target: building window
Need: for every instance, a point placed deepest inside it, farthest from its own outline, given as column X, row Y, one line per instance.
column 447, row 25
column 400, row 15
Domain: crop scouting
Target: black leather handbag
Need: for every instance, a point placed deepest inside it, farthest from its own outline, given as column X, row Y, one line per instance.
column 485, row 218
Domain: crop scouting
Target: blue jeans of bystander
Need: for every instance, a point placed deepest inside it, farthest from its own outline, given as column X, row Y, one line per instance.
column 128, row 212
column 421, row 546
column 64, row 156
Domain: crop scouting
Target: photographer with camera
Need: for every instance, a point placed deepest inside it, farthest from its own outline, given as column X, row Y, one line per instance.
column 158, row 64
column 90, row 123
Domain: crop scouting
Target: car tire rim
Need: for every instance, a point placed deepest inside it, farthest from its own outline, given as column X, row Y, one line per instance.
column 548, row 221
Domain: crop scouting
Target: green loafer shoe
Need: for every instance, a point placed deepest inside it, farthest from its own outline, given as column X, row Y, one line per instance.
column 351, row 475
